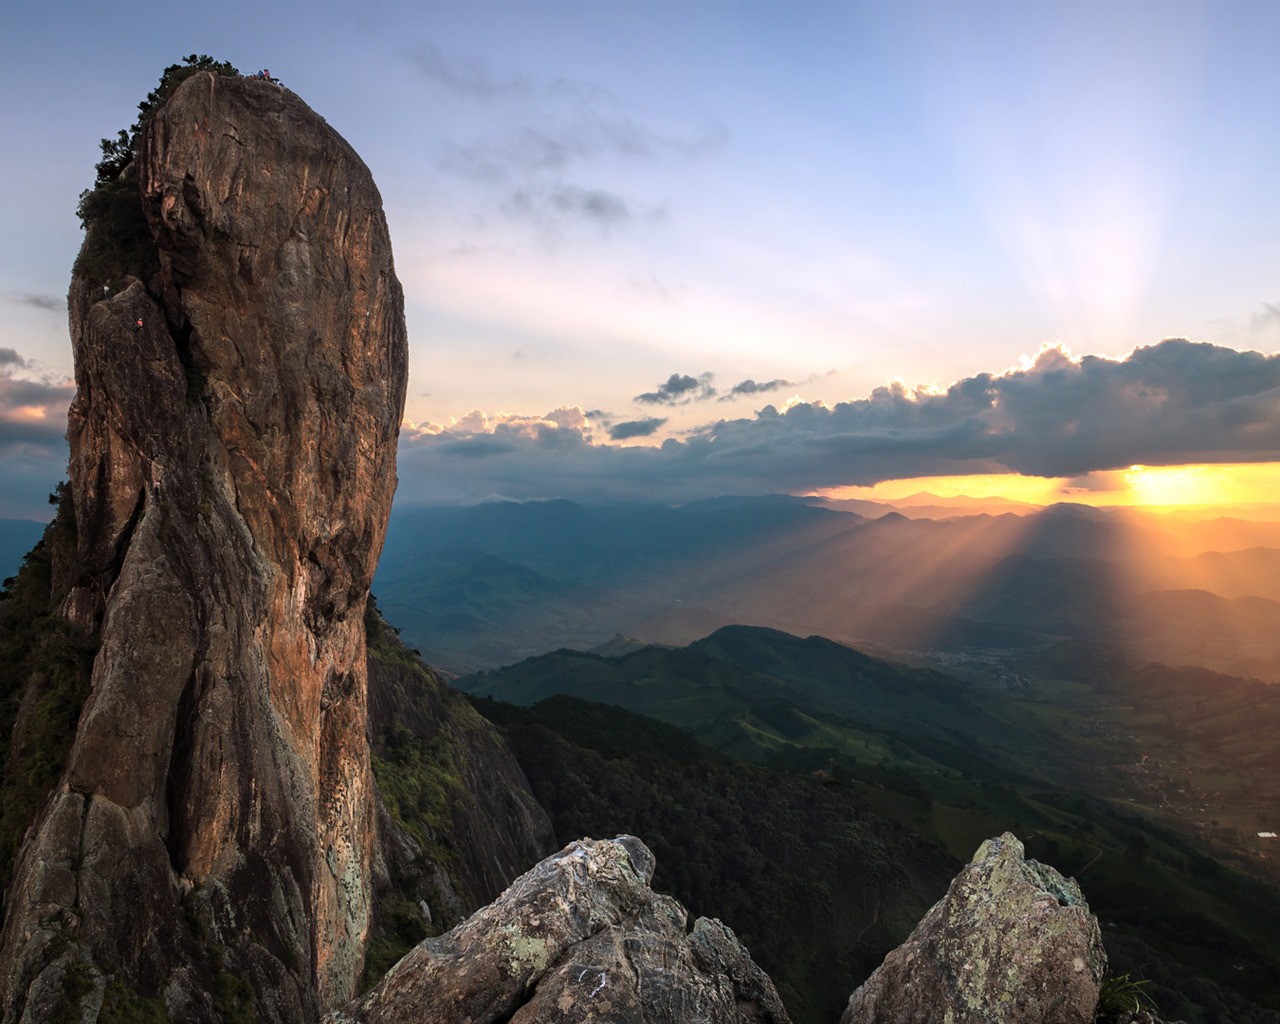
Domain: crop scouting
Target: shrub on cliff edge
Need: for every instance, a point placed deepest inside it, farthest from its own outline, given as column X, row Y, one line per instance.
column 119, row 242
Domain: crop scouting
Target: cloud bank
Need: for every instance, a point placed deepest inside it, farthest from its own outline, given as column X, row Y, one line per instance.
column 1167, row 404
column 32, row 412
column 33, row 446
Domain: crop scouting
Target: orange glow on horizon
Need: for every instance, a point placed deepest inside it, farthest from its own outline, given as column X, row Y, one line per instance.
column 1156, row 487
column 28, row 414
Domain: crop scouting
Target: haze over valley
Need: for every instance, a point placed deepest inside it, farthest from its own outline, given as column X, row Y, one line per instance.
column 510, row 580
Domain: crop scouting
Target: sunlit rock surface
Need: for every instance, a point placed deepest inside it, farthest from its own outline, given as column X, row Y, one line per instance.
column 233, row 445
column 1012, row 942
column 581, row 937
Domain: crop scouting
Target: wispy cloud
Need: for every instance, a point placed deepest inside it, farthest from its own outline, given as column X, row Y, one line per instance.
column 1172, row 403
column 474, row 78
column 653, row 286
column 548, row 150
column 51, row 303
column 680, row 389
column 1267, row 317
column 589, row 137
column 750, row 387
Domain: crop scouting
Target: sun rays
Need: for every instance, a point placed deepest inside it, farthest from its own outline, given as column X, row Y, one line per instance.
column 1219, row 487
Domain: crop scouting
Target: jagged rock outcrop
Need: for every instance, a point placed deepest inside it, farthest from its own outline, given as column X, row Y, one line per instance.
column 579, row 938
column 1012, row 942
column 233, row 438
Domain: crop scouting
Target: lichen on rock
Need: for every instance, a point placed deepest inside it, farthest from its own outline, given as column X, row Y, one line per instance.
column 581, row 937
column 1012, row 942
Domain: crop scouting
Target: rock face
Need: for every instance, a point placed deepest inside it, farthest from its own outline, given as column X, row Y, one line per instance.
column 581, row 937
column 232, row 466
column 1012, row 942
column 462, row 821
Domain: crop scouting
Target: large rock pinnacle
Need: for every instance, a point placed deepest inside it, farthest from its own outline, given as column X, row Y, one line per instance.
column 232, row 464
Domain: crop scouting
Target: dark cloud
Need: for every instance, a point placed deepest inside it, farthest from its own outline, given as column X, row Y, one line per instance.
column 475, row 447
column 1173, row 403
column 9, row 357
column 554, row 205
column 636, row 428
column 750, row 387
column 1101, row 481
column 680, row 389
column 590, row 137
column 47, row 302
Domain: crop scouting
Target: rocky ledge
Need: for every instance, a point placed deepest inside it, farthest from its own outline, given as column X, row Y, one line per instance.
column 1012, row 942
column 580, row 938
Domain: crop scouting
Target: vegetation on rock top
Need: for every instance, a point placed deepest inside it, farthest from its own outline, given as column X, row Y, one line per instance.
column 119, row 242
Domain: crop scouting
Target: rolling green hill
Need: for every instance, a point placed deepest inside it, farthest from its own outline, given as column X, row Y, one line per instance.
column 817, row 886
column 1080, row 761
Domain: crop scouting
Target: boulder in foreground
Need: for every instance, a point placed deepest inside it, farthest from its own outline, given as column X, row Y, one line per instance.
column 581, row 937
column 1012, row 942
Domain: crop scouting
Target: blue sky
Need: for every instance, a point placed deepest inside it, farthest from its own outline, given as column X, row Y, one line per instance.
column 591, row 202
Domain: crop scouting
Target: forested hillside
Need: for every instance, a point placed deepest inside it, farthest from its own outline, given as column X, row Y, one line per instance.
column 948, row 761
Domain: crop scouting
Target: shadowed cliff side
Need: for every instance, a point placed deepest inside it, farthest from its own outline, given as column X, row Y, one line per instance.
column 212, row 841
column 457, row 821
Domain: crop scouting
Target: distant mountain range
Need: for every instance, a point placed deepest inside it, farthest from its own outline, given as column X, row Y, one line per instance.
column 492, row 584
